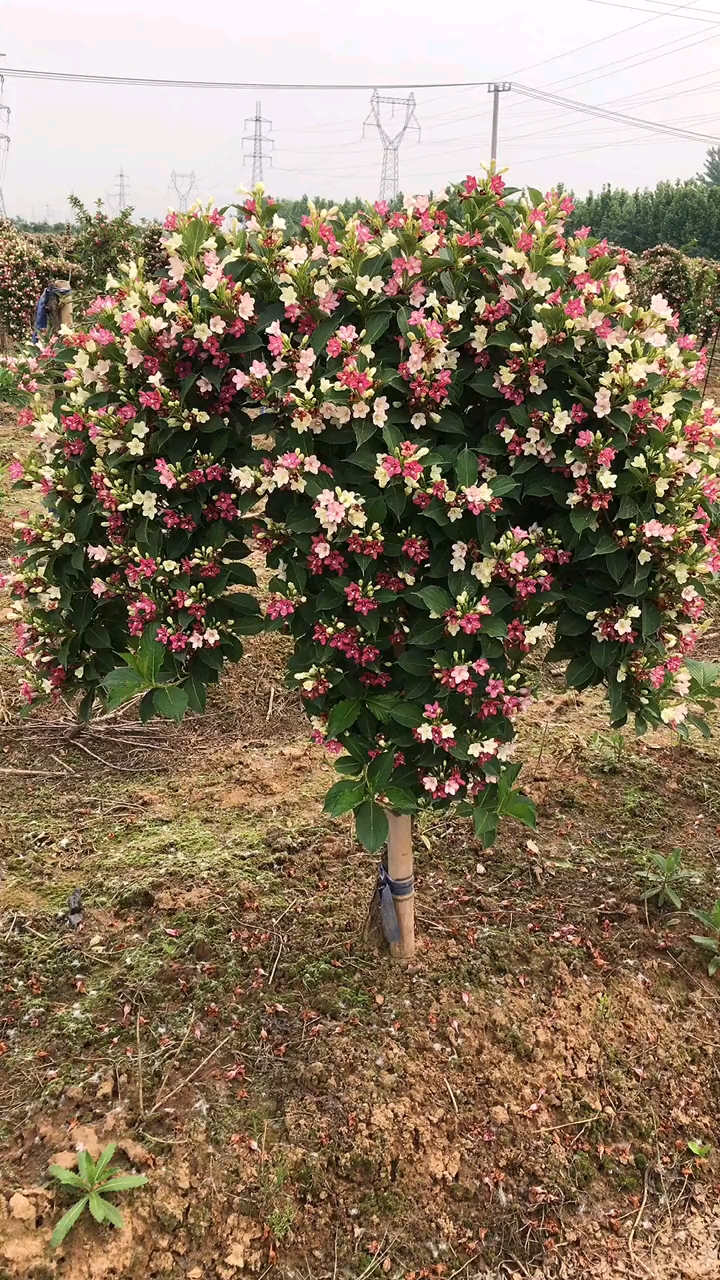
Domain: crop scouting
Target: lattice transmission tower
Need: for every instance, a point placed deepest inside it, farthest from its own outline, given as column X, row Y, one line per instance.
column 257, row 138
column 183, row 184
column 4, row 145
column 122, row 191
column 390, row 177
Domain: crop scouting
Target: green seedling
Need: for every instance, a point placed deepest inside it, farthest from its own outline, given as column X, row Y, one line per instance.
column 699, row 1148
column 664, row 876
column 94, row 1181
column 711, row 941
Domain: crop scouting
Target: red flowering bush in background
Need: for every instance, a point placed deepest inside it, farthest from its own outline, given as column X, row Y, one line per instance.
column 21, row 282
column 451, row 433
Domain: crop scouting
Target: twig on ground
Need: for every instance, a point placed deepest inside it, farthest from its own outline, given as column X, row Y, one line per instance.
column 453, row 1099
column 161, row 1101
column 140, row 1079
column 638, row 1261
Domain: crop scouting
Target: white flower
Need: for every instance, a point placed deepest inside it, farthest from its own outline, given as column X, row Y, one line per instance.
column 538, row 335
column 603, row 405
column 459, row 554
column 147, row 501
column 607, row 479
column 380, row 411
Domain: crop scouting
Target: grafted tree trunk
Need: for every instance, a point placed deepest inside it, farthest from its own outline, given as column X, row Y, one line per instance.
column 398, row 862
column 400, row 870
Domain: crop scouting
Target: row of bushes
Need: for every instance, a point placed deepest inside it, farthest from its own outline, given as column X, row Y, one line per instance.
column 83, row 252
column 691, row 286
column 683, row 214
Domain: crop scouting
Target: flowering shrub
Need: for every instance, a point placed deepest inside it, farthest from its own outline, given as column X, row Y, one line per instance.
column 25, row 375
column 20, row 282
column 451, row 431
column 690, row 285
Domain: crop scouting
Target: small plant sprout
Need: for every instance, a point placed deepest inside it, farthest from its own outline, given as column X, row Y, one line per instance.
column 711, row 941
column 94, row 1181
column 699, row 1149
column 664, row 875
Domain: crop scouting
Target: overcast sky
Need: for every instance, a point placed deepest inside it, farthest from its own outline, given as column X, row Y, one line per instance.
column 654, row 59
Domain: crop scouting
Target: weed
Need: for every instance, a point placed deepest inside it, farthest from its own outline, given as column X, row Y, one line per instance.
column 604, row 1005
column 700, row 1149
column 609, row 749
column 281, row 1220
column 664, row 875
column 711, row 941
column 95, row 1181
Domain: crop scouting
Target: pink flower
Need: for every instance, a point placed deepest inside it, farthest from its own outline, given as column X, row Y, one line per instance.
column 16, row 471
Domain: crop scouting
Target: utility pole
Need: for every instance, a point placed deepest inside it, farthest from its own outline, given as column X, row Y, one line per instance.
column 4, row 143
column 122, row 191
column 257, row 138
column 183, row 184
column 390, row 176
column 496, row 90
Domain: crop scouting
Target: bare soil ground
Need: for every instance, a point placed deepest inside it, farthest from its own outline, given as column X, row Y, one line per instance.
column 516, row 1102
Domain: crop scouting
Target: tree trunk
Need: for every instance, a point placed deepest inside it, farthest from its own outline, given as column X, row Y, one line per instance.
column 398, row 863
column 400, row 868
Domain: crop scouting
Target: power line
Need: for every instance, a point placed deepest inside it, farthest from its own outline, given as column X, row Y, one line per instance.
column 603, row 112
column 390, row 177
column 590, row 44
column 183, row 184
column 4, row 145
column 663, row 13
column 73, row 77
column 257, row 138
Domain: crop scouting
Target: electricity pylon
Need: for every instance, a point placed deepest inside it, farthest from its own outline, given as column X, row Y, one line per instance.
column 390, row 177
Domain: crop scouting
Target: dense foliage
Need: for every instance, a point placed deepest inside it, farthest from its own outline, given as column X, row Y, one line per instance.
column 450, row 431
column 690, row 285
column 685, row 215
column 20, row 283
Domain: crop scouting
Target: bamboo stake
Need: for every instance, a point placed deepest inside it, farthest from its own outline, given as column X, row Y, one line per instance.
column 400, row 867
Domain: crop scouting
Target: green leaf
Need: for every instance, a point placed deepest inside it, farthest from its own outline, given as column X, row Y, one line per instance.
column 343, row 715
column 436, row 598
column 466, row 468
column 415, row 663
column 580, row 672
column 401, row 801
column 97, row 1206
column 371, row 825
column 406, row 713
column 571, row 624
column 343, row 796
column 376, row 326
column 519, row 806
column 380, row 770
column 150, row 654
column 113, row 1215
column 582, row 518
column 171, row 702
column 67, row 1222
column 66, row 1176
column 86, row 1166
column 104, row 1159
column 125, row 1182
column 503, row 485
column 121, row 685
